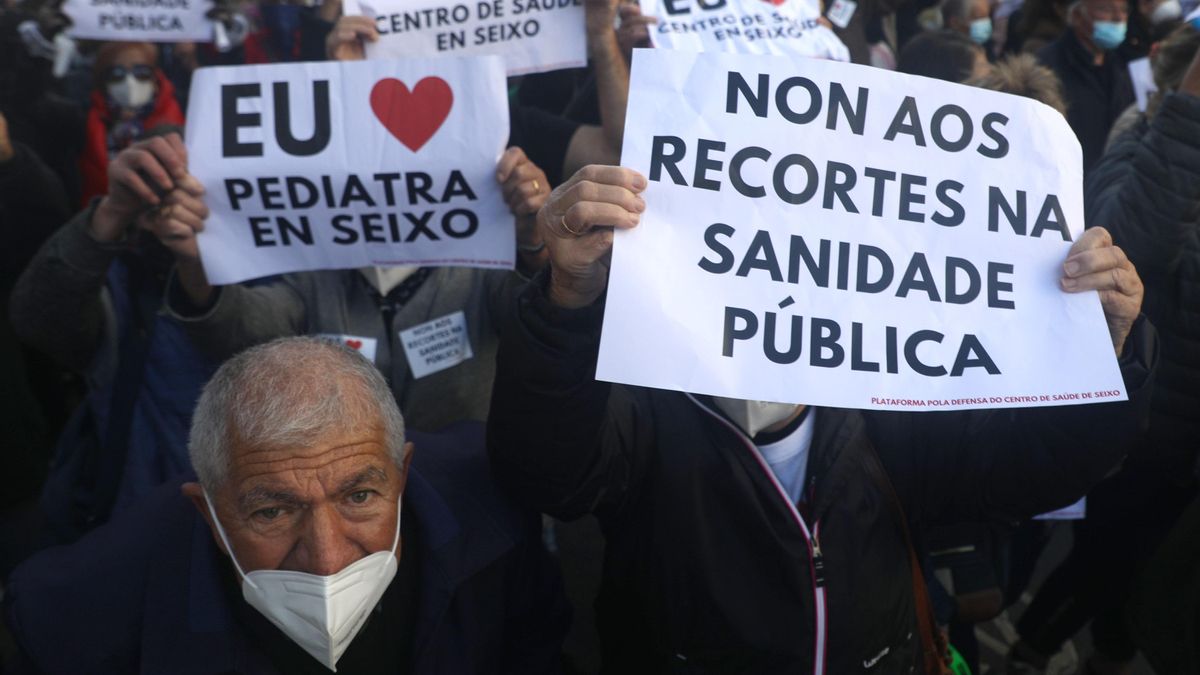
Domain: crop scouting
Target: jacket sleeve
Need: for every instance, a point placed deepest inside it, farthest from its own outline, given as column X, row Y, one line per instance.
column 56, row 304
column 1014, row 464
column 559, row 440
column 240, row 316
column 33, row 203
column 1146, row 188
column 538, row 615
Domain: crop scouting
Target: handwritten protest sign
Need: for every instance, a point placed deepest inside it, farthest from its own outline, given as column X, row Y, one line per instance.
column 533, row 36
column 786, row 27
column 825, row 233
column 140, row 20
column 344, row 165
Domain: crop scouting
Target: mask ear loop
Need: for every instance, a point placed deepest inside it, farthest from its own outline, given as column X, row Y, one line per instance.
column 399, row 513
column 225, row 540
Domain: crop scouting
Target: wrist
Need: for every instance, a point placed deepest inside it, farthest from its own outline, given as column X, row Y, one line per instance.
column 107, row 224
column 572, row 293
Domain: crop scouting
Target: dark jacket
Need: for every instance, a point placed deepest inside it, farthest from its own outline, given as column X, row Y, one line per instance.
column 1095, row 95
column 143, row 594
column 708, row 567
column 1146, row 191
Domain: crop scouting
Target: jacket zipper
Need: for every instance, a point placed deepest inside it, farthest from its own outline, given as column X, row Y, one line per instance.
column 814, row 544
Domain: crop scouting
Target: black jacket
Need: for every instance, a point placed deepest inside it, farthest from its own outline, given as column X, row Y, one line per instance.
column 1146, row 191
column 1095, row 95
column 708, row 569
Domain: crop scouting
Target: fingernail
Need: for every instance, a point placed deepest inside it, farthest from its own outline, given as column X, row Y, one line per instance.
column 640, row 205
column 639, row 182
column 1071, row 267
column 1069, row 283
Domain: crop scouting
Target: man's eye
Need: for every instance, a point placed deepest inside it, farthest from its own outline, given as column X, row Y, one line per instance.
column 360, row 497
column 270, row 513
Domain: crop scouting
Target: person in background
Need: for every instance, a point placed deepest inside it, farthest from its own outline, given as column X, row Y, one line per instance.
column 1021, row 75
column 1169, row 60
column 757, row 537
column 944, row 55
column 1039, row 22
column 1095, row 79
column 90, row 299
column 972, row 18
column 130, row 97
column 1146, row 189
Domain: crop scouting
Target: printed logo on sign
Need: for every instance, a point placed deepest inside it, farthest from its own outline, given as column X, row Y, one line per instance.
column 437, row 345
column 361, row 344
column 414, row 116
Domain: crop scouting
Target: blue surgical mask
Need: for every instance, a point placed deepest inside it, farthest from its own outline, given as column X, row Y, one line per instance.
column 981, row 30
column 1108, row 34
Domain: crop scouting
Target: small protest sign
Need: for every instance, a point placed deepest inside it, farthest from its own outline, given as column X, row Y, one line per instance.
column 532, row 36
column 1142, row 78
column 140, row 20
column 785, row 27
column 837, row 235
column 353, row 164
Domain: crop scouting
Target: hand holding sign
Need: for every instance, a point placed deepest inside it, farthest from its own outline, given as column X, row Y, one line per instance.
column 345, row 41
column 1096, row 264
column 577, row 224
column 136, row 179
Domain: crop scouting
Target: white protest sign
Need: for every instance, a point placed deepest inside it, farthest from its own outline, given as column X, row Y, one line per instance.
column 1076, row 511
column 785, row 27
column 140, row 20
column 532, row 36
column 437, row 345
column 1143, row 81
column 343, row 165
column 838, row 235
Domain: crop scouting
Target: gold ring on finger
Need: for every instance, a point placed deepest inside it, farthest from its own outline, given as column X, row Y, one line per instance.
column 536, row 185
column 563, row 222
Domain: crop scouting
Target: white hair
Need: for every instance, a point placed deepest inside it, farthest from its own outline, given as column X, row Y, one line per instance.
column 289, row 393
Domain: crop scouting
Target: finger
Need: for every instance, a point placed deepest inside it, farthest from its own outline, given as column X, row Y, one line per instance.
column 191, row 185
column 140, row 160
column 180, row 148
column 519, row 188
column 129, row 178
column 165, row 153
column 1121, row 279
column 190, row 219
column 187, row 202
column 1093, row 237
column 511, row 158
column 359, row 26
column 588, row 191
column 524, row 206
column 611, row 175
column 1094, row 260
column 585, row 216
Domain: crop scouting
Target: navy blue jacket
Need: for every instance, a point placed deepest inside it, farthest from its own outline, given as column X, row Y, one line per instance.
column 143, row 594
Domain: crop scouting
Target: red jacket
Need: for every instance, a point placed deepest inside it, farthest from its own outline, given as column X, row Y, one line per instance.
column 93, row 162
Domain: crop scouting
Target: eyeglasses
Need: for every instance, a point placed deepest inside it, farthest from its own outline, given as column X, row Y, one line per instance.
column 141, row 71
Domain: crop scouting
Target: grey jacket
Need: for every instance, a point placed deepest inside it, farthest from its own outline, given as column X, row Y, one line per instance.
column 342, row 303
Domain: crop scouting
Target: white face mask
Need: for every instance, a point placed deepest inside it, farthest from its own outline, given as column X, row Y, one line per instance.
column 131, row 92
column 384, row 279
column 754, row 416
column 321, row 614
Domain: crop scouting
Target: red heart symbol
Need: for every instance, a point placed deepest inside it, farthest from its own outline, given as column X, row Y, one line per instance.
column 354, row 344
column 412, row 116
column 777, row 2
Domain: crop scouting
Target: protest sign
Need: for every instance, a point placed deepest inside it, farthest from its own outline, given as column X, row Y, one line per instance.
column 825, row 233
column 352, row 164
column 532, row 36
column 140, row 20
column 785, row 27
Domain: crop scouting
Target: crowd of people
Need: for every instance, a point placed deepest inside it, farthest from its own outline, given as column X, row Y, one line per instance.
column 197, row 479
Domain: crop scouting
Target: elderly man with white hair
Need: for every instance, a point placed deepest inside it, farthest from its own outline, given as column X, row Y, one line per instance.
column 313, row 542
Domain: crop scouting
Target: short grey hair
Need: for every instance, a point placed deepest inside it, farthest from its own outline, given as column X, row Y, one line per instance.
column 289, row 392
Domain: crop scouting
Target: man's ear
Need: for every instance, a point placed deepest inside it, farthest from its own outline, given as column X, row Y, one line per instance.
column 195, row 493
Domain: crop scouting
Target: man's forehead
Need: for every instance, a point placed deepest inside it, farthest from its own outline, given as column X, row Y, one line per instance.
column 326, row 462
